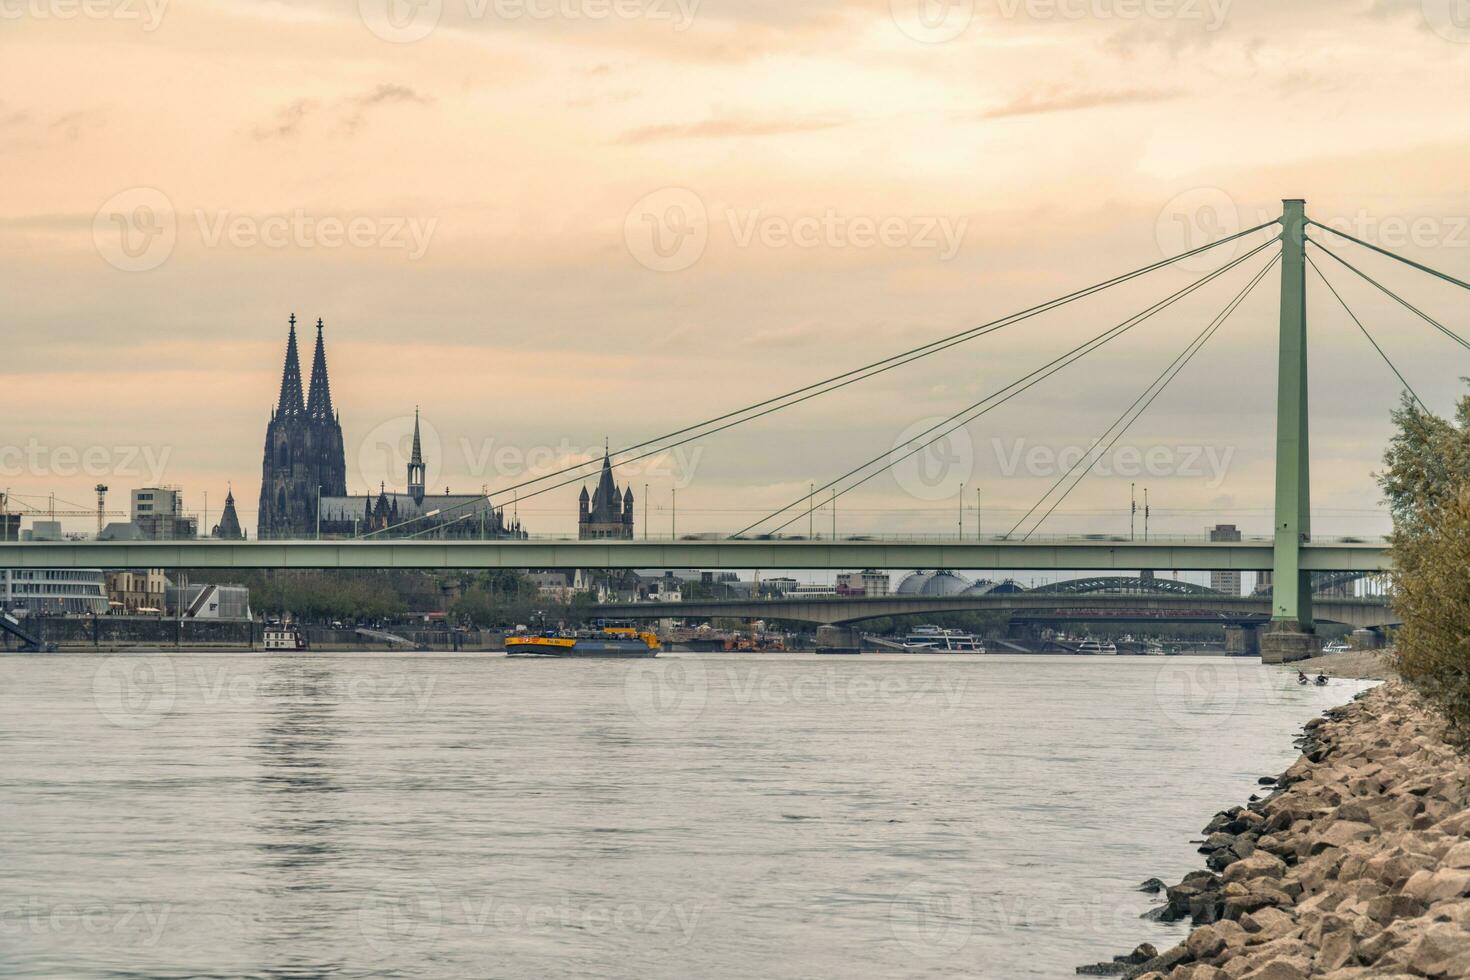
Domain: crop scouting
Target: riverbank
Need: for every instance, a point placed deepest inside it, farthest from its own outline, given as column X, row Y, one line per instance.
column 1376, row 665
column 1356, row 865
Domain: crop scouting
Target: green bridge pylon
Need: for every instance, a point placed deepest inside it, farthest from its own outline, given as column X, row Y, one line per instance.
column 1291, row 606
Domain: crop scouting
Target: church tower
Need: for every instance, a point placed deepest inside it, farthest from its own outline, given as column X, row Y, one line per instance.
column 609, row 511
column 304, row 457
column 416, row 463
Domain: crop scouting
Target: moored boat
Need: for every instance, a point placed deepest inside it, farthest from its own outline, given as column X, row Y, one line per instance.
column 609, row 642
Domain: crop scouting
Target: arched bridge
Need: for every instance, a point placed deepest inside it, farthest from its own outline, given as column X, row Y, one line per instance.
column 1138, row 607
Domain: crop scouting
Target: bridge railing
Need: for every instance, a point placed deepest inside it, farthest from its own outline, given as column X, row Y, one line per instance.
column 1153, row 540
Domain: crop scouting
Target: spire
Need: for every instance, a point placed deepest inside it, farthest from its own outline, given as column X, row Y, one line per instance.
column 319, row 400
column 418, row 447
column 289, row 405
column 229, row 522
column 606, row 492
column 416, row 463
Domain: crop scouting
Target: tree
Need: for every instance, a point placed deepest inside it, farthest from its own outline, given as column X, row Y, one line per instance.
column 1427, row 484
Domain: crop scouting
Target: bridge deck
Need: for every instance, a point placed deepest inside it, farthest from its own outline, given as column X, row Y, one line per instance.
column 1050, row 555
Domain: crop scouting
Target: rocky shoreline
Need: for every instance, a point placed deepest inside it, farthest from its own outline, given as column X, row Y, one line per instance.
column 1357, row 864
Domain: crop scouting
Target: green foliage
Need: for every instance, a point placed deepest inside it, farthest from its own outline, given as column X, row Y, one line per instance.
column 1427, row 483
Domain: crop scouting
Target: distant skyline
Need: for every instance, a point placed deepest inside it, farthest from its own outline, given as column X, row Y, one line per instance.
column 550, row 222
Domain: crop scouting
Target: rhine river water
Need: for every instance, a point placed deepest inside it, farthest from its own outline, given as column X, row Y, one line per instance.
column 351, row 815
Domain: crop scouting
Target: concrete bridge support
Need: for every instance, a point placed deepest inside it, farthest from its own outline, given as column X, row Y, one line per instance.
column 1291, row 636
column 1243, row 641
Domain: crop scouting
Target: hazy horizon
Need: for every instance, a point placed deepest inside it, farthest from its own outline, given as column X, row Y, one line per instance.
column 551, row 222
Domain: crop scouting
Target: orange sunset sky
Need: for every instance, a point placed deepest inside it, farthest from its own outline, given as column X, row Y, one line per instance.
column 550, row 222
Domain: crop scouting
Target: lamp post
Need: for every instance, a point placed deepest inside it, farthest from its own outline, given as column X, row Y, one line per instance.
column 674, row 513
column 979, row 536
column 962, row 511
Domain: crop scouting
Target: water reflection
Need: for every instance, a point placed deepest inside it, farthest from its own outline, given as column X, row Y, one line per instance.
column 300, row 829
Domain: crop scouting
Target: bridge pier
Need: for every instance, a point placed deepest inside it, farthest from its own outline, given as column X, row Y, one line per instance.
column 1282, row 643
column 1242, row 641
column 832, row 639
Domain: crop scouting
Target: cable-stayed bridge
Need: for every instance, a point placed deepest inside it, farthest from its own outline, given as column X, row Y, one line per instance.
column 1291, row 554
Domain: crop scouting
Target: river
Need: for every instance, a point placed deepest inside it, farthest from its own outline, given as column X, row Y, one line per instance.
column 353, row 815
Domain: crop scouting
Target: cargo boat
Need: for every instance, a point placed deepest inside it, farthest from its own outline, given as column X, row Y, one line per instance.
column 607, row 642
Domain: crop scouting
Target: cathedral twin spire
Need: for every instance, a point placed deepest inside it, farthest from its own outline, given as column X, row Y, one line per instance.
column 317, row 405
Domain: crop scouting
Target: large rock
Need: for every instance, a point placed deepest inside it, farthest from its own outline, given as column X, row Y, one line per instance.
column 1443, row 950
column 1260, row 865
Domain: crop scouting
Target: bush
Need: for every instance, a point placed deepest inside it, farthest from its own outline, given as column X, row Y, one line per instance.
column 1427, row 483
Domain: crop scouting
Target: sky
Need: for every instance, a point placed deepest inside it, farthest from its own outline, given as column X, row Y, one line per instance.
column 550, row 223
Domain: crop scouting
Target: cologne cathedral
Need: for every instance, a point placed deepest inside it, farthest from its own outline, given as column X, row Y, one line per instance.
column 303, row 484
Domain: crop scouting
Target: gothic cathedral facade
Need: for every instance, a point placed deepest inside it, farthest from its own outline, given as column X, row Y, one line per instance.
column 304, row 456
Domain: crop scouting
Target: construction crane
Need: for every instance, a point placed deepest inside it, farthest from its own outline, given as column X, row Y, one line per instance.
column 15, row 504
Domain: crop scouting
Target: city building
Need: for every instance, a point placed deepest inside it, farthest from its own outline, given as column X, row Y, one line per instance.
column 74, row 591
column 158, row 514
column 415, row 513
column 303, row 484
column 228, row 528
column 9, row 527
column 304, row 458
column 208, row 602
column 868, row 583
column 43, row 531
column 1226, row 582
column 608, row 512
column 137, row 592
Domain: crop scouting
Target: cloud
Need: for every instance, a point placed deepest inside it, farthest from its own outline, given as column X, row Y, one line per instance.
column 288, row 121
column 725, row 128
column 1049, row 100
column 350, row 112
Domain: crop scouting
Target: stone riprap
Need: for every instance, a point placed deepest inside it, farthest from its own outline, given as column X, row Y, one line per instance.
column 1356, row 865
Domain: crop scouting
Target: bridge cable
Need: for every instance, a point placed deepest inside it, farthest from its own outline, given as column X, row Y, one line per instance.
column 1402, row 380
column 1383, row 251
column 1402, row 302
column 850, row 377
column 893, row 361
column 1157, row 387
column 1022, row 384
